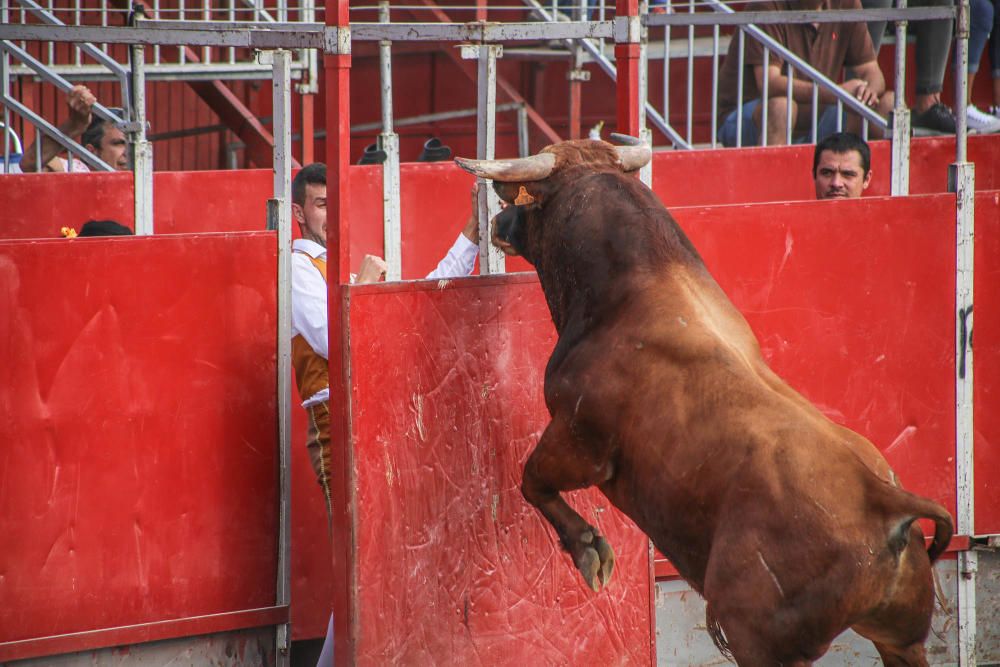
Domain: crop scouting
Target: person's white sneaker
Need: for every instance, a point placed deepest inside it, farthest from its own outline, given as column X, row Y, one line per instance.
column 980, row 121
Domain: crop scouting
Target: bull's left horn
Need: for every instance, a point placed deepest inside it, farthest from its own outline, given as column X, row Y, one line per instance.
column 533, row 168
column 626, row 139
column 634, row 157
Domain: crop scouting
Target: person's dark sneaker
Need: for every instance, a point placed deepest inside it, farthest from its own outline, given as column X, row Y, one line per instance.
column 937, row 119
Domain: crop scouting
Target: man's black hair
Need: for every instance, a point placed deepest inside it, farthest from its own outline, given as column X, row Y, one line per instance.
column 104, row 228
column 94, row 134
column 313, row 174
column 844, row 142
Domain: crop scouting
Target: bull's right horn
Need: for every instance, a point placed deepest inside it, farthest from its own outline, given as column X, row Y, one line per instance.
column 533, row 168
column 634, row 157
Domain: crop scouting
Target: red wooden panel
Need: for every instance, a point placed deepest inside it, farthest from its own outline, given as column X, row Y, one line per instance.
column 855, row 312
column 986, row 357
column 453, row 566
column 138, row 466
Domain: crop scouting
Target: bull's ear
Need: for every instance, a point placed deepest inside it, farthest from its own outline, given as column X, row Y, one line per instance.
column 533, row 168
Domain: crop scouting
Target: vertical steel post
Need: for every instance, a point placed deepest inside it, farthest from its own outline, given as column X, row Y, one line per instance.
column 491, row 260
column 576, row 76
column 962, row 181
column 281, row 81
column 642, row 91
column 337, row 73
column 389, row 142
column 5, row 84
column 522, row 130
column 900, row 185
column 627, row 66
column 142, row 150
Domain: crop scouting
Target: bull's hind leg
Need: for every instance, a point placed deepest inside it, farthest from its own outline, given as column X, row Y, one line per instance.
column 911, row 656
column 563, row 462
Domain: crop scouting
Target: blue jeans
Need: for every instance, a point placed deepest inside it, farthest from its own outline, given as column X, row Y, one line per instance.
column 826, row 125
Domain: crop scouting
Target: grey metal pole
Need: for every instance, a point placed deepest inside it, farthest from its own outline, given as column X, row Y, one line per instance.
column 5, row 77
column 646, row 172
column 522, row 130
column 491, row 260
column 142, row 150
column 900, row 185
column 389, row 142
column 281, row 209
column 962, row 181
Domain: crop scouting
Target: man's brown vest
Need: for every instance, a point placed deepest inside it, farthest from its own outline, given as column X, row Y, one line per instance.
column 311, row 371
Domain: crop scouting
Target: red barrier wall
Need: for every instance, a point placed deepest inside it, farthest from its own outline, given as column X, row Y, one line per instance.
column 784, row 173
column 138, row 463
column 453, row 567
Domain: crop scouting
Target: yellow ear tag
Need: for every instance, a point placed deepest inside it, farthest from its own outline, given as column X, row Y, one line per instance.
column 523, row 197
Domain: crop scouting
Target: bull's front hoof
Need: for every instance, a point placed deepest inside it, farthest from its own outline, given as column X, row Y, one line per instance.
column 596, row 561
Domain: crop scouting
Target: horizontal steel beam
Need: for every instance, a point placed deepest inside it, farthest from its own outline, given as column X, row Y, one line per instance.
column 482, row 32
column 824, row 16
column 267, row 36
column 166, row 71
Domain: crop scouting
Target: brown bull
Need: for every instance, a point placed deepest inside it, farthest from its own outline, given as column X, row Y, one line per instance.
column 792, row 528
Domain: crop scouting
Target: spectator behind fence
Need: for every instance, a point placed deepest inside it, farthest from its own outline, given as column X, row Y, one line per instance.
column 842, row 166
column 97, row 135
column 828, row 47
column 983, row 26
column 310, row 325
column 933, row 43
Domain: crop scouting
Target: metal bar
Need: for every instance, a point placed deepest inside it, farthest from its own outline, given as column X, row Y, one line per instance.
column 389, row 142
column 739, row 88
column 491, row 260
column 962, row 181
column 5, row 91
column 522, row 130
column 140, row 633
column 765, row 83
column 89, row 49
column 715, row 84
column 790, row 80
column 815, row 112
column 343, row 573
column 142, row 150
column 666, row 70
column 690, row 76
column 431, row 118
column 303, row 36
column 822, row 16
column 482, row 32
column 900, row 178
column 610, row 69
column 282, row 105
column 47, row 75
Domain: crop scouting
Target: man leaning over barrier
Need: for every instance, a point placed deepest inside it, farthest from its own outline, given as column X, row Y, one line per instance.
column 310, row 326
column 827, row 47
column 97, row 135
column 842, row 166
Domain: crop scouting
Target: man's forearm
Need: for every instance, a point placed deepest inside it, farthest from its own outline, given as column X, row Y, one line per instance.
column 50, row 147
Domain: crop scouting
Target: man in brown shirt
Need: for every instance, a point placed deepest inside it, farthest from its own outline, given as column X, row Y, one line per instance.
column 828, row 47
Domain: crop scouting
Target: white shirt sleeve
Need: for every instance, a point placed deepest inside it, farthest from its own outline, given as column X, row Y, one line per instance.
column 459, row 261
column 309, row 304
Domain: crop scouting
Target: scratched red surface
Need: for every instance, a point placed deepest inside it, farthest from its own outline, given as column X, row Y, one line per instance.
column 137, row 466
column 454, row 568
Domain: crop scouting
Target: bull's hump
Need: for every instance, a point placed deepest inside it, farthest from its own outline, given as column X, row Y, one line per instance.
column 708, row 314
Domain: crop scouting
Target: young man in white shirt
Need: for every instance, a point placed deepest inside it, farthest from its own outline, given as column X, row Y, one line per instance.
column 310, row 328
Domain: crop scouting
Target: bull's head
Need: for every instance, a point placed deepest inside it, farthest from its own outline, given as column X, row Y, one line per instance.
column 527, row 184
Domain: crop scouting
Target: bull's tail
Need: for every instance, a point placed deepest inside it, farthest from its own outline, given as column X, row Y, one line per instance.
column 909, row 507
column 716, row 633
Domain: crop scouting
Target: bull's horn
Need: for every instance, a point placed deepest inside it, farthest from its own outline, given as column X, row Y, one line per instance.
column 533, row 168
column 634, row 157
column 627, row 139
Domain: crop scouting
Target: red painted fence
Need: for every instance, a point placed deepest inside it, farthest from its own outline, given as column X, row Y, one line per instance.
column 164, row 346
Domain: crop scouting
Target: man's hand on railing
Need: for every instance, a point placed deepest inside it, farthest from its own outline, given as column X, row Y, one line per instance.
column 80, row 101
column 861, row 91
